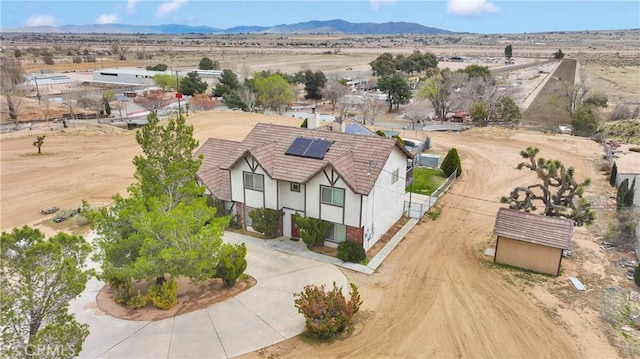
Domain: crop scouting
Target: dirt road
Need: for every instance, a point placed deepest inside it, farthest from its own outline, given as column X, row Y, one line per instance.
column 435, row 296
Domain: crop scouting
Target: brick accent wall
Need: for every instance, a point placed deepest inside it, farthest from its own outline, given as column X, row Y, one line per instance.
column 355, row 234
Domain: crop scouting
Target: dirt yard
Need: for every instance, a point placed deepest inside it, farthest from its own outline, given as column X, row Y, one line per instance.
column 435, row 296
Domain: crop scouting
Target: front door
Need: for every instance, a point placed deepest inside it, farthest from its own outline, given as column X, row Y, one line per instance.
column 294, row 228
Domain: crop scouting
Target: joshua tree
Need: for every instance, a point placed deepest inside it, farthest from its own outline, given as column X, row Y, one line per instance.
column 39, row 142
column 559, row 191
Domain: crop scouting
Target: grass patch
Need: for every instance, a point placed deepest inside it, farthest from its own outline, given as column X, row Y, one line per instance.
column 426, row 180
column 434, row 213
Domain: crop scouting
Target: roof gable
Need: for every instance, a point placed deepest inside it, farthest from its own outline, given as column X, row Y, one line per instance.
column 214, row 151
column 533, row 228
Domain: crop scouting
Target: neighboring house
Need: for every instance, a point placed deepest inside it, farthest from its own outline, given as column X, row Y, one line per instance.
column 355, row 182
column 531, row 241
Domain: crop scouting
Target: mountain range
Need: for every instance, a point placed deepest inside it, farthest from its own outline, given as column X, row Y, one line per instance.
column 309, row 27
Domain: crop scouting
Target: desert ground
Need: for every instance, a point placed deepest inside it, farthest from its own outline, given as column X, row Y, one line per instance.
column 437, row 295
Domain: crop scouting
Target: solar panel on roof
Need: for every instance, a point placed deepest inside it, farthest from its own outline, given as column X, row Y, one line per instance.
column 317, row 149
column 306, row 147
column 299, row 146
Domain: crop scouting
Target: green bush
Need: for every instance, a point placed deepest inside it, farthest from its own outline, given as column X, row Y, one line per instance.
column 636, row 276
column 137, row 301
column 434, row 213
column 381, row 133
column 232, row 263
column 265, row 220
column 304, row 124
column 350, row 251
column 121, row 284
column 451, row 162
column 312, row 231
column 158, row 67
column 327, row 313
column 164, row 296
column 624, row 198
column 399, row 139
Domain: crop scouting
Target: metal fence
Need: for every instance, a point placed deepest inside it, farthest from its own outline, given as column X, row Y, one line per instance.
column 417, row 205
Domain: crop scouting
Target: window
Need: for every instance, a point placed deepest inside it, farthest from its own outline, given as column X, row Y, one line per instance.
column 337, row 233
column 253, row 181
column 295, row 187
column 394, row 176
column 333, row 196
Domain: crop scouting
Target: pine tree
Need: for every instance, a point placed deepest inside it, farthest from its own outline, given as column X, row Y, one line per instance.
column 451, row 162
column 614, row 175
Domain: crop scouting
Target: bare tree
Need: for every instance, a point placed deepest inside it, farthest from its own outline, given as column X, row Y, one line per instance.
column 249, row 97
column 369, row 108
column 12, row 85
column 418, row 112
column 153, row 101
column 334, row 91
column 39, row 142
column 443, row 91
column 570, row 97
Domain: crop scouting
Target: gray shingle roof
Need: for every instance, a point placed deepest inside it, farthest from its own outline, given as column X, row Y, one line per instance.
column 349, row 155
column 533, row 228
column 214, row 151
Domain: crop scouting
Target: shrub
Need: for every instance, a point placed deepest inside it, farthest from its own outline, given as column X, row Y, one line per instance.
column 623, row 111
column 350, row 251
column 399, row 139
column 121, row 284
column 90, row 58
column 158, row 67
column 597, row 99
column 451, row 162
column 137, row 301
column 585, row 121
column 636, row 276
column 265, row 220
column 48, row 59
column 380, row 133
column 312, row 231
column 77, row 59
column 624, row 198
column 434, row 213
column 164, row 296
column 232, row 263
column 614, row 175
column 304, row 123
column 327, row 313
column 122, row 57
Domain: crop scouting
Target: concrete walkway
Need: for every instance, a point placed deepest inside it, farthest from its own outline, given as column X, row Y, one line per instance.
column 298, row 248
column 259, row 317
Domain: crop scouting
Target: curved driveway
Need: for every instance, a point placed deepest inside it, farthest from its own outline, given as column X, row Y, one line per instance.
column 259, row 317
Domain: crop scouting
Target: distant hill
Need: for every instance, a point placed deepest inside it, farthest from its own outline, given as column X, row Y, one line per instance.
column 309, row 27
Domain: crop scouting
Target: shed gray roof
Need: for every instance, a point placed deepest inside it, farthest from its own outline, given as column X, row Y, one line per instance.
column 533, row 228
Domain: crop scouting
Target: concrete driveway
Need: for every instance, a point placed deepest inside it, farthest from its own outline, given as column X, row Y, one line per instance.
column 257, row 318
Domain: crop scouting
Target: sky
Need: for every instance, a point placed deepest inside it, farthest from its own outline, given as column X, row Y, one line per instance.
column 475, row 16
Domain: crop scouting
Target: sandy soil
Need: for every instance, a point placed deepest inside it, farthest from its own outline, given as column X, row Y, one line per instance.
column 435, row 296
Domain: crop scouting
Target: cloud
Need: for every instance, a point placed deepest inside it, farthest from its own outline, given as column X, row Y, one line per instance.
column 169, row 6
column 470, row 7
column 131, row 5
column 106, row 19
column 41, row 20
column 375, row 4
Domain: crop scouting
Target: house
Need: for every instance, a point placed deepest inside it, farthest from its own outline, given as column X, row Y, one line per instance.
column 531, row 241
column 355, row 182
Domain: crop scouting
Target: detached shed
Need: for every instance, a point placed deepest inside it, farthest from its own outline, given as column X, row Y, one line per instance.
column 531, row 241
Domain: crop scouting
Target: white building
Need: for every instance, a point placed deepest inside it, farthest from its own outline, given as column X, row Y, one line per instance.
column 126, row 76
column 355, row 182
